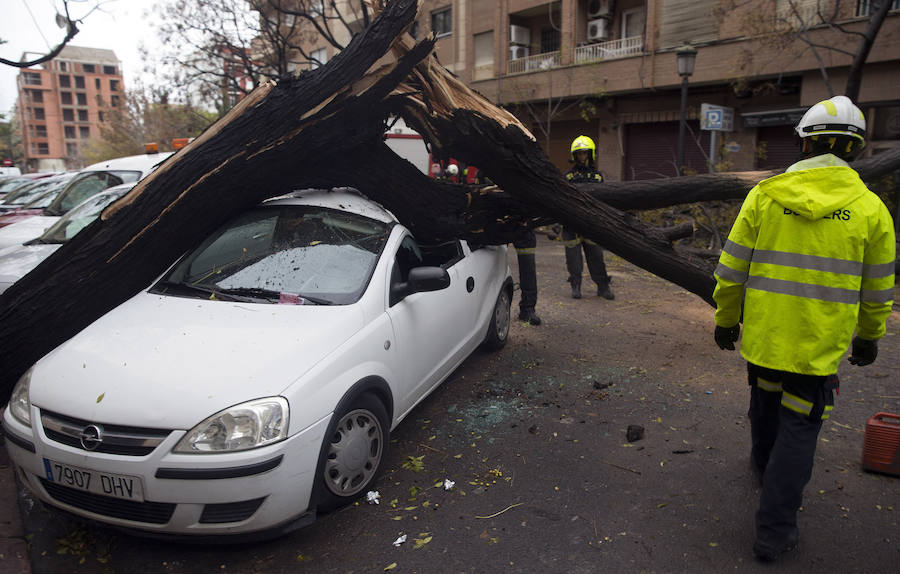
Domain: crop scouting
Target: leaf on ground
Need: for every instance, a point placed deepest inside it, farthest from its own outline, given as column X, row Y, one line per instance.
column 420, row 542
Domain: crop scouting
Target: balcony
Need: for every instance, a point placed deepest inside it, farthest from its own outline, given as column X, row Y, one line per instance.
column 621, row 48
column 535, row 63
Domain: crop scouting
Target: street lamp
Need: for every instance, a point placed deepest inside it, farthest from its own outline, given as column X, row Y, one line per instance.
column 684, row 57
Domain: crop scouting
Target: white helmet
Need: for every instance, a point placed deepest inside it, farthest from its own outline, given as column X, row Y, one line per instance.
column 836, row 116
column 452, row 169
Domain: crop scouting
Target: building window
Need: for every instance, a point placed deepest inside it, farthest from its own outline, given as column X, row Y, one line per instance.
column 72, row 149
column 40, row 131
column 65, row 98
column 867, row 7
column 317, row 58
column 109, row 70
column 63, row 66
column 82, row 115
column 79, row 82
column 39, row 114
column 82, row 98
column 68, row 115
column 31, row 78
column 100, row 116
column 114, row 101
column 65, row 81
column 633, row 23
column 441, row 22
column 97, row 83
column 114, row 85
column 88, row 68
column 549, row 40
column 84, row 132
column 43, row 148
column 37, row 97
column 69, row 132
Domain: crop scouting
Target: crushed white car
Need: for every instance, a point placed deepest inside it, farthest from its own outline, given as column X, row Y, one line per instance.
column 256, row 383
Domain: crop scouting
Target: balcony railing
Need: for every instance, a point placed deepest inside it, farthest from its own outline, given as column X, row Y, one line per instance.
column 609, row 50
column 534, row 63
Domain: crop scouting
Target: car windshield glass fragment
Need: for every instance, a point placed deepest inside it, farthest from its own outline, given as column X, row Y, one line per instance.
column 284, row 254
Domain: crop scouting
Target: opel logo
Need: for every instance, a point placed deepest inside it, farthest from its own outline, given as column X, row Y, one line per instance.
column 91, row 437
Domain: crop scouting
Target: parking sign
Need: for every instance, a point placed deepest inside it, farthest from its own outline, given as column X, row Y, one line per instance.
column 716, row 118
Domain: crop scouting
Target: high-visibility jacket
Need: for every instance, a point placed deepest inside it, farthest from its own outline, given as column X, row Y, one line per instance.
column 811, row 255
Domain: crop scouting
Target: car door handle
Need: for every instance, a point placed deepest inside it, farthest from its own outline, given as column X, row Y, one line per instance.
column 470, row 284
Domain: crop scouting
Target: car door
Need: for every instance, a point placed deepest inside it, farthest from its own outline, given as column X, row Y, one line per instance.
column 430, row 328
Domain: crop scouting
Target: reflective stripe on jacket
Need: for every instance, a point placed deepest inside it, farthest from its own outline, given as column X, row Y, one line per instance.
column 811, row 255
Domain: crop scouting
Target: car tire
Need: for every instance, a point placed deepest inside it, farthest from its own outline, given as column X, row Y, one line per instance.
column 355, row 448
column 498, row 330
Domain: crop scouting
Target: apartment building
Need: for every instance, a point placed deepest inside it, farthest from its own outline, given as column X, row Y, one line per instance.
column 607, row 69
column 62, row 102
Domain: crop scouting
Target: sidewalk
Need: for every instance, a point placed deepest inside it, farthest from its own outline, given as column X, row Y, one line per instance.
column 13, row 550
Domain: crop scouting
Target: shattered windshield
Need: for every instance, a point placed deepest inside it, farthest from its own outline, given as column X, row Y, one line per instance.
column 79, row 218
column 283, row 254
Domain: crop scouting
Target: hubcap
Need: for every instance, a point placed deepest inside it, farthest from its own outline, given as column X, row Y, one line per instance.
column 354, row 453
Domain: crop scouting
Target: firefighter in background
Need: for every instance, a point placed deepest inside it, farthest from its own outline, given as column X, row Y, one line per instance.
column 525, row 247
column 583, row 156
column 811, row 257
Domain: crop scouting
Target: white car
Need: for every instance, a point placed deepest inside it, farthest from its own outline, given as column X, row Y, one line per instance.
column 17, row 260
column 89, row 181
column 257, row 381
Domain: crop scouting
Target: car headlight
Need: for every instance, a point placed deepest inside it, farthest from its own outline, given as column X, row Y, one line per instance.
column 249, row 425
column 19, row 403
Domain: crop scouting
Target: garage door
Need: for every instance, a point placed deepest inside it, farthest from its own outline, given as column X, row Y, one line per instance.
column 780, row 148
column 651, row 149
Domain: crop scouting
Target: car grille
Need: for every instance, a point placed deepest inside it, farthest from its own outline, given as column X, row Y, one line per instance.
column 116, row 439
column 229, row 512
column 149, row 512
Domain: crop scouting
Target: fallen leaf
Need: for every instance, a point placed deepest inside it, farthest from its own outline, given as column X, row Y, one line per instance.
column 390, row 566
column 100, row 398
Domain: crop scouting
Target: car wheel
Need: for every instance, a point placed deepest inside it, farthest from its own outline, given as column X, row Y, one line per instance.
column 498, row 331
column 353, row 452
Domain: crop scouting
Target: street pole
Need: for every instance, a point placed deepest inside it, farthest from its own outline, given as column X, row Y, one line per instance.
column 682, row 125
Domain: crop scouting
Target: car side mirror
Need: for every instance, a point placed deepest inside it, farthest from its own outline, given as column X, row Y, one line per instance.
column 421, row 279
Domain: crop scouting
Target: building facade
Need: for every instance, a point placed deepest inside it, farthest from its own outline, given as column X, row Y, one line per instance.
column 607, row 69
column 61, row 105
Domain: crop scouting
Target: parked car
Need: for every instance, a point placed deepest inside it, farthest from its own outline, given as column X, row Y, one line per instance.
column 91, row 180
column 16, row 261
column 8, row 185
column 19, row 200
column 255, row 383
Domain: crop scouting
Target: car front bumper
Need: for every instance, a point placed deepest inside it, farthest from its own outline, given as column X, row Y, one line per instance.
column 205, row 495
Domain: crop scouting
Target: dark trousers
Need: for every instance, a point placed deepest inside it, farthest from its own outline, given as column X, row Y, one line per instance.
column 575, row 264
column 525, row 247
column 786, row 413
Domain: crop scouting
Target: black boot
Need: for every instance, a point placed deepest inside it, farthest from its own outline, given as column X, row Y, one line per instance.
column 605, row 292
column 529, row 316
column 576, row 291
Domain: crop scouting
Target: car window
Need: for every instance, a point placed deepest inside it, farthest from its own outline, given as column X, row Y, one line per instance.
column 408, row 256
column 26, row 194
column 80, row 188
column 78, row 218
column 285, row 253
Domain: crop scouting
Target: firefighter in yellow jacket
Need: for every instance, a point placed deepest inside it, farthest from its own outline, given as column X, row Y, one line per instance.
column 811, row 259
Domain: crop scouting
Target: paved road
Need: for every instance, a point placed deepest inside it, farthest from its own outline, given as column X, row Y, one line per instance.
column 545, row 481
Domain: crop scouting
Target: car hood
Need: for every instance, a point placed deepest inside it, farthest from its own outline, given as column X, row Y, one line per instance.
column 25, row 229
column 169, row 362
column 16, row 262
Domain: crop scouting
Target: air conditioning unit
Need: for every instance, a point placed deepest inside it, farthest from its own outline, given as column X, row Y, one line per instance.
column 597, row 8
column 518, row 52
column 598, row 30
column 519, row 35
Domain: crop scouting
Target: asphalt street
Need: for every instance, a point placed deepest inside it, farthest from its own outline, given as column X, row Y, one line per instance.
column 544, row 477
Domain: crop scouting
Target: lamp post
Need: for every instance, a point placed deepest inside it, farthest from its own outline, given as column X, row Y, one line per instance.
column 684, row 57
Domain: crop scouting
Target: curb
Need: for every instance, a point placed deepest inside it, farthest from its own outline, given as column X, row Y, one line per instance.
column 13, row 547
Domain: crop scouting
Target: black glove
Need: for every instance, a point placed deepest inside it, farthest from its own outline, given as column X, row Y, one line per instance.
column 863, row 352
column 726, row 336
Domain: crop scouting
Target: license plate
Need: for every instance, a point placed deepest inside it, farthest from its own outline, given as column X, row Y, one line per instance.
column 103, row 483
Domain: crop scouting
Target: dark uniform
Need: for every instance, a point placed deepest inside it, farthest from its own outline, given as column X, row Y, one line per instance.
column 592, row 252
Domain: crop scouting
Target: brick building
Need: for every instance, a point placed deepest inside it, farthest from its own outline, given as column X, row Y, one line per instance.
column 61, row 105
column 607, row 69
